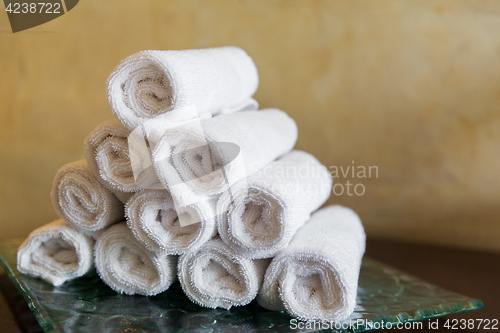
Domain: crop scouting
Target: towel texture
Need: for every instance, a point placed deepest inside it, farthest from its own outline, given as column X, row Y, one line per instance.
column 107, row 154
column 205, row 158
column 151, row 83
column 128, row 267
column 153, row 218
column 213, row 276
column 56, row 252
column 82, row 201
column 259, row 221
column 316, row 277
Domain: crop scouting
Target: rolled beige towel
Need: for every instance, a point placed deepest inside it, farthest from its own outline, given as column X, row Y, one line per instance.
column 208, row 157
column 316, row 276
column 82, row 201
column 213, row 276
column 56, row 253
column 157, row 223
column 152, row 83
column 260, row 219
column 107, row 153
column 126, row 266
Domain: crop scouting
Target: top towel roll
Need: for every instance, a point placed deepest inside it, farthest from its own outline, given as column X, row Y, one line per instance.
column 151, row 83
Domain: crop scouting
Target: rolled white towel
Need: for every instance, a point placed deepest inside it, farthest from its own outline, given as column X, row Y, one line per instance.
column 316, row 277
column 260, row 220
column 151, row 83
column 153, row 218
column 127, row 267
column 213, row 276
column 82, row 201
column 207, row 157
column 56, row 252
column 107, row 153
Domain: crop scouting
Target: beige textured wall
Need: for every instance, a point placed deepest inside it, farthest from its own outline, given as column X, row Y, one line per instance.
column 410, row 87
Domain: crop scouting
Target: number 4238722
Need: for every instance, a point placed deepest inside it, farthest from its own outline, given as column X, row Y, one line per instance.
column 485, row 324
column 33, row 8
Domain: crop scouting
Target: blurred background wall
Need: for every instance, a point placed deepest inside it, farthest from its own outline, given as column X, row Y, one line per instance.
column 411, row 87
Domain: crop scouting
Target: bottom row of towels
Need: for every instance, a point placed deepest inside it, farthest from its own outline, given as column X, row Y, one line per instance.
column 314, row 278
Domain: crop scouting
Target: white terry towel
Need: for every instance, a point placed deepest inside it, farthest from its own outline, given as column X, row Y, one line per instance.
column 260, row 221
column 151, row 83
column 107, row 154
column 206, row 157
column 56, row 252
column 153, row 218
column 128, row 267
column 316, row 277
column 213, row 276
column 82, row 201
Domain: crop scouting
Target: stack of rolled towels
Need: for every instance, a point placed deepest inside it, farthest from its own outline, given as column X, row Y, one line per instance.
column 191, row 182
